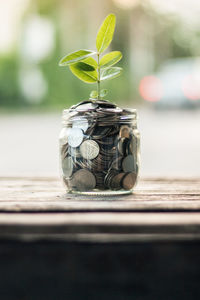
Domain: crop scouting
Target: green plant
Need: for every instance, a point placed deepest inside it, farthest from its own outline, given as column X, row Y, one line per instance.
column 89, row 70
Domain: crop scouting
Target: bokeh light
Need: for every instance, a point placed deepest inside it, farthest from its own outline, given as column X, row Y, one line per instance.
column 191, row 87
column 150, row 88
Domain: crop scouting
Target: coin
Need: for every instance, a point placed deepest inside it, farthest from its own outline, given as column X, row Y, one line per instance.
column 124, row 131
column 78, row 104
column 104, row 103
column 74, row 152
column 67, row 166
column 89, row 149
column 86, row 107
column 129, row 180
column 130, row 111
column 83, row 180
column 115, row 183
column 115, row 110
column 109, row 176
column 128, row 164
column 132, row 148
column 100, row 132
column 114, row 130
column 81, row 123
column 122, row 145
column 68, row 114
column 75, row 137
column 100, row 180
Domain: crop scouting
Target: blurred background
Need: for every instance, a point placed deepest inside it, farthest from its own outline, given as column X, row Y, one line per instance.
column 160, row 42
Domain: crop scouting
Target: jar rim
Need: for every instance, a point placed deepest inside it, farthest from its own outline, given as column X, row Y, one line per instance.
column 105, row 116
column 129, row 110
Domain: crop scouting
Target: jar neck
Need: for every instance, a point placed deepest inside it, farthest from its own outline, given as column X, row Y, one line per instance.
column 106, row 117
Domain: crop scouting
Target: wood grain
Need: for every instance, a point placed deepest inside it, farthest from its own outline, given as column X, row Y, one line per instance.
column 33, row 194
column 159, row 209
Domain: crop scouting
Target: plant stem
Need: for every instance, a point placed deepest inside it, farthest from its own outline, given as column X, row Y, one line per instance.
column 98, row 81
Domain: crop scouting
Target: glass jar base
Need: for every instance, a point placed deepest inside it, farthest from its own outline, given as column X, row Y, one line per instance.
column 103, row 193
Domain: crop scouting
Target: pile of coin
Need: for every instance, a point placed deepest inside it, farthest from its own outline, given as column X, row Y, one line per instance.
column 99, row 147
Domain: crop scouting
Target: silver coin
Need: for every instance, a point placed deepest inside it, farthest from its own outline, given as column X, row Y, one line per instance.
column 129, row 181
column 109, row 176
column 79, row 104
column 115, row 110
column 68, row 114
column 74, row 152
column 75, row 137
column 128, row 164
column 83, row 180
column 67, row 166
column 89, row 149
column 86, row 107
column 81, row 123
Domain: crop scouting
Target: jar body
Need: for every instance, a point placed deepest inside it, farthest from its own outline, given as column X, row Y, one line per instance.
column 99, row 156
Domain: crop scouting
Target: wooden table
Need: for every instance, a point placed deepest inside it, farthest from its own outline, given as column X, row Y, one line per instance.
column 141, row 246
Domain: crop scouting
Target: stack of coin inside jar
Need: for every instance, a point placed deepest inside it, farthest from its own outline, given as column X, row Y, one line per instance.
column 99, row 147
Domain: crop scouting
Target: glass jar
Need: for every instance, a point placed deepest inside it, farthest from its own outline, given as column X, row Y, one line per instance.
column 99, row 149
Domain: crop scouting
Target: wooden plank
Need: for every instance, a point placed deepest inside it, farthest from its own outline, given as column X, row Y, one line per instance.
column 125, row 220
column 37, row 194
column 65, row 216
column 141, row 246
column 100, row 226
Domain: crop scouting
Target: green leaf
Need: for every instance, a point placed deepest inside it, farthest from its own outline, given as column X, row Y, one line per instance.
column 105, row 33
column 84, row 67
column 110, row 59
column 75, row 57
column 84, row 72
column 103, row 93
column 91, row 61
column 110, row 73
column 94, row 94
